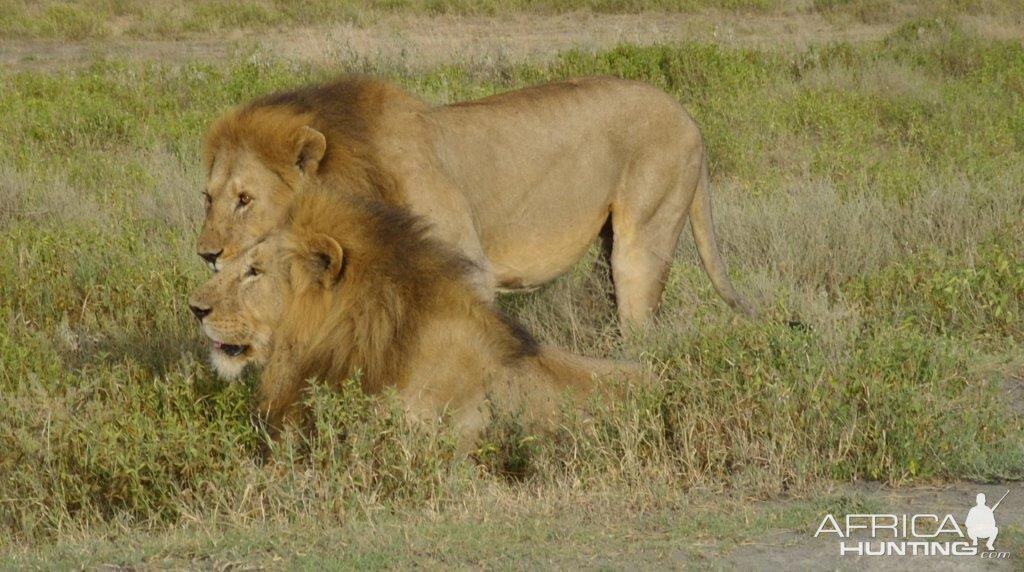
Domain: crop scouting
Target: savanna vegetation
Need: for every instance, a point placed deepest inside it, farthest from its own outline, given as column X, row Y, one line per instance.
column 868, row 198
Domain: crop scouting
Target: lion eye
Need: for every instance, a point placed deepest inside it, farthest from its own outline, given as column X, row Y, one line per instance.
column 244, row 200
column 253, row 271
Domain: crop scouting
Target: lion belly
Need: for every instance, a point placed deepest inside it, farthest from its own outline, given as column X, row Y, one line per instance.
column 543, row 255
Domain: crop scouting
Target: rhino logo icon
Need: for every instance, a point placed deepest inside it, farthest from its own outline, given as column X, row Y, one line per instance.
column 981, row 521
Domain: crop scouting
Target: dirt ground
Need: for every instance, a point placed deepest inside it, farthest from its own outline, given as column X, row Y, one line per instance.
column 419, row 42
column 801, row 551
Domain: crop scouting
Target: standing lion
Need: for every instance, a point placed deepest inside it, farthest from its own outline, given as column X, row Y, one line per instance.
column 354, row 287
column 520, row 183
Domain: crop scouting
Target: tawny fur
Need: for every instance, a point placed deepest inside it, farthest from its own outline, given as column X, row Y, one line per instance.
column 392, row 306
column 520, row 183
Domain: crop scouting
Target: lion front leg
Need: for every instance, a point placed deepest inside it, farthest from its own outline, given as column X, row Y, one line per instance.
column 277, row 396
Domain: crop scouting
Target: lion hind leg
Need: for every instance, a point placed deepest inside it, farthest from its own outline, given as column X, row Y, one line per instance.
column 641, row 255
column 647, row 217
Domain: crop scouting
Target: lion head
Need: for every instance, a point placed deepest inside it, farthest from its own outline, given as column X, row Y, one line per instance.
column 259, row 155
column 256, row 160
column 241, row 307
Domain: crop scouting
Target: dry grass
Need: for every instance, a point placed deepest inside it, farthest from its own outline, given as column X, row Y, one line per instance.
column 857, row 191
column 106, row 19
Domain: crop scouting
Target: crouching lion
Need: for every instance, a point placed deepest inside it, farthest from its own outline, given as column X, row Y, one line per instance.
column 353, row 287
column 521, row 183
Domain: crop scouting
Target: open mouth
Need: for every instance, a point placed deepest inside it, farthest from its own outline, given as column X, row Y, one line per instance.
column 231, row 350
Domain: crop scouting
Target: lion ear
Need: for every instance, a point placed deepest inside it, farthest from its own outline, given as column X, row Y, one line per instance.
column 310, row 148
column 328, row 257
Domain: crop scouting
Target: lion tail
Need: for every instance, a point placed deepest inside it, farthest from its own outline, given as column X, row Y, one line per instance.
column 537, row 395
column 703, row 227
column 583, row 374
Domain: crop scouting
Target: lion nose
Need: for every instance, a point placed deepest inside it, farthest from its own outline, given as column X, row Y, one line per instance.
column 211, row 257
column 198, row 312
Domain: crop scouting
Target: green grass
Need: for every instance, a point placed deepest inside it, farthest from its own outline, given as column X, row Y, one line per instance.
column 858, row 189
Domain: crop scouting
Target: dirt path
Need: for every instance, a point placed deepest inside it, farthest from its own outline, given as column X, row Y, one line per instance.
column 419, row 42
column 801, row 551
